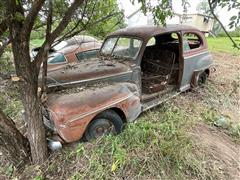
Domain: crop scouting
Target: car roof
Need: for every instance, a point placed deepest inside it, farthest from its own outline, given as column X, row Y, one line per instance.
column 79, row 39
column 146, row 32
column 80, row 48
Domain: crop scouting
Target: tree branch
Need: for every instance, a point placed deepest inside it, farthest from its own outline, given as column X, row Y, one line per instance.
column 224, row 29
column 62, row 25
column 117, row 23
column 35, row 28
column 48, row 33
column 30, row 18
column 71, row 34
column 65, row 21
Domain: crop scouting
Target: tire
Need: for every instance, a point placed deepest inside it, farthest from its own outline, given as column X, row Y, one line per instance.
column 202, row 79
column 105, row 123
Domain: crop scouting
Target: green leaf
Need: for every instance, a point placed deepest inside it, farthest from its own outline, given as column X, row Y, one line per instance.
column 10, row 170
column 233, row 18
column 19, row 17
column 17, row 2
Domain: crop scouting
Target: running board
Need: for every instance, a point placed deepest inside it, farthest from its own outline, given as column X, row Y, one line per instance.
column 158, row 101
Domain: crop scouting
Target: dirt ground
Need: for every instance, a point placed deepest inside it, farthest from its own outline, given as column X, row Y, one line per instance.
column 219, row 98
column 221, row 153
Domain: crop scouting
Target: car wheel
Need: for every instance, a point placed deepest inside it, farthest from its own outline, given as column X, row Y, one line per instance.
column 202, row 78
column 108, row 122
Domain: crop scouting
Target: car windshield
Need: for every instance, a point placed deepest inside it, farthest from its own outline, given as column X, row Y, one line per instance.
column 121, row 47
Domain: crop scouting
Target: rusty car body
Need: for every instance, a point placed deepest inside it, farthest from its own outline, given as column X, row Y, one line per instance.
column 70, row 51
column 137, row 69
column 67, row 54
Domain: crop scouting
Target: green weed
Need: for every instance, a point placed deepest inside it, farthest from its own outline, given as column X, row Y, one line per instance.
column 212, row 117
column 157, row 145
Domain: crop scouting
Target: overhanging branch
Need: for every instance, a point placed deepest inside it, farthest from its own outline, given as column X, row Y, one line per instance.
column 224, row 29
column 48, row 33
column 62, row 25
column 30, row 18
column 73, row 33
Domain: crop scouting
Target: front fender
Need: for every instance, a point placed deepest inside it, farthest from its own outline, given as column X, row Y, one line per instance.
column 72, row 113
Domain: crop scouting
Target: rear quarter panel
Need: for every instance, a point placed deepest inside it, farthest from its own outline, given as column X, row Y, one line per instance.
column 195, row 60
column 192, row 64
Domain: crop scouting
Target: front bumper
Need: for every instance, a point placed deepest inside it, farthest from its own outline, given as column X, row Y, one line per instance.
column 54, row 144
column 53, row 140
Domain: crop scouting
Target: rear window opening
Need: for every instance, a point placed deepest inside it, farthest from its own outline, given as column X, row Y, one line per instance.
column 56, row 59
column 191, row 41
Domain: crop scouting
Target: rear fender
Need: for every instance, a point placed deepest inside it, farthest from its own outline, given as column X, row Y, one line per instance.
column 194, row 81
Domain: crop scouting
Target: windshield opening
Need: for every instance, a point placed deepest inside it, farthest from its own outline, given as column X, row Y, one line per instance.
column 122, row 47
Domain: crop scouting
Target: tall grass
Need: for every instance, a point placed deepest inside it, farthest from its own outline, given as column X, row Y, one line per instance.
column 155, row 146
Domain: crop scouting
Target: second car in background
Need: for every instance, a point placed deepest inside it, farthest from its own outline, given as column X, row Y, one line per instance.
column 72, row 50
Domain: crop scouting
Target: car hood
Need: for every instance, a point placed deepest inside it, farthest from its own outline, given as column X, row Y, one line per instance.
column 86, row 70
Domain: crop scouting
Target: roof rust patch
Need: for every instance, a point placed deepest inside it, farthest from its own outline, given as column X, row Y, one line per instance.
column 145, row 32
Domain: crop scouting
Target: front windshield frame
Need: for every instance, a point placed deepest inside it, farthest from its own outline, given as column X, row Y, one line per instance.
column 111, row 53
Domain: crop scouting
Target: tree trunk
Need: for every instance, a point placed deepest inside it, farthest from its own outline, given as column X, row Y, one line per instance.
column 14, row 146
column 28, row 72
column 28, row 83
column 35, row 129
column 20, row 26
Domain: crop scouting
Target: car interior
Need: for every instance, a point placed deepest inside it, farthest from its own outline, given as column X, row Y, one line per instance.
column 160, row 64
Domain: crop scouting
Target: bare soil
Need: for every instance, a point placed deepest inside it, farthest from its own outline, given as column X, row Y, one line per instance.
column 221, row 153
column 221, row 97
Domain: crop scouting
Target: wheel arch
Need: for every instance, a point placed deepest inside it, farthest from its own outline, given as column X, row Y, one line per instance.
column 120, row 113
column 117, row 110
column 207, row 71
column 196, row 75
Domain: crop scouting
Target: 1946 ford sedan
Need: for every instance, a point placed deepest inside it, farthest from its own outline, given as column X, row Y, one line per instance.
column 137, row 69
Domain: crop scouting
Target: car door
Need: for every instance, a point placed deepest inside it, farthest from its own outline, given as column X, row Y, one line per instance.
column 194, row 54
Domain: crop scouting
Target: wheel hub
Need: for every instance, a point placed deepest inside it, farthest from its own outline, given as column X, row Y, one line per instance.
column 104, row 127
